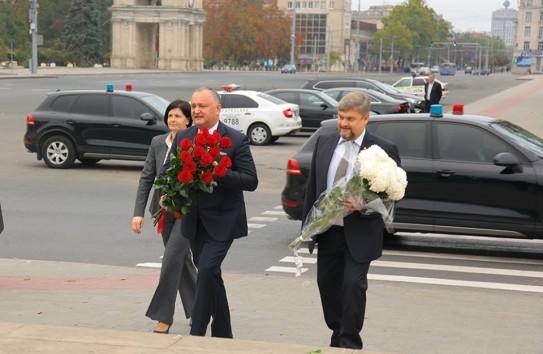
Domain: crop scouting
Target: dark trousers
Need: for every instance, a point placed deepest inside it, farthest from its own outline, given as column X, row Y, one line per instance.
column 342, row 286
column 427, row 105
column 178, row 274
column 211, row 300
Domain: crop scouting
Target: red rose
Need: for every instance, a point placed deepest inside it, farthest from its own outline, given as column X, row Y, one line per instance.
column 226, row 143
column 204, row 132
column 185, row 156
column 184, row 176
column 190, row 166
column 177, row 215
column 226, row 162
column 185, row 144
column 213, row 139
column 198, row 152
column 219, row 170
column 214, row 151
column 200, row 139
column 207, row 177
column 206, row 159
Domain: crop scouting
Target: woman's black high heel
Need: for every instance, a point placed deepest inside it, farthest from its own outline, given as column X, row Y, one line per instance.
column 166, row 331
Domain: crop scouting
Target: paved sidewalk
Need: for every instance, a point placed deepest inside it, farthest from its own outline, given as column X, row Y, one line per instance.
column 22, row 73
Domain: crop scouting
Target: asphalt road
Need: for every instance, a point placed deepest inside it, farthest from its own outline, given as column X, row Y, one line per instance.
column 83, row 214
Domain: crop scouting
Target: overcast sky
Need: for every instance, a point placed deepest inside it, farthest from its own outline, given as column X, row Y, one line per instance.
column 465, row 15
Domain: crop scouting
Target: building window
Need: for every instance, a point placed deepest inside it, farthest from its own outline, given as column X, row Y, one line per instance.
column 289, row 5
column 323, row 4
column 332, row 5
column 310, row 4
column 541, row 13
column 529, row 3
column 526, row 45
column 540, row 32
column 304, row 4
column 528, row 17
column 527, row 31
column 318, row 4
column 540, row 46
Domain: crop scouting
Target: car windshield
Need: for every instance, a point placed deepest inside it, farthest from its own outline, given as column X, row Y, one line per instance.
column 385, row 87
column 521, row 137
column 158, row 103
column 270, row 98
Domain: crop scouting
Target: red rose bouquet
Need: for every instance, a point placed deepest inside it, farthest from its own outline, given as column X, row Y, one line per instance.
column 192, row 171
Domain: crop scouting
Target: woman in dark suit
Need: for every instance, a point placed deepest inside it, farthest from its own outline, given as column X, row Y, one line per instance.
column 178, row 272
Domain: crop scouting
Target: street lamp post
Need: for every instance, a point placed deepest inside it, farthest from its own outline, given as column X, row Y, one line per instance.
column 293, row 33
column 34, row 32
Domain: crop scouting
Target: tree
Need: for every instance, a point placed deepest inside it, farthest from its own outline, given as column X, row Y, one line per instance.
column 82, row 33
column 245, row 30
column 413, row 25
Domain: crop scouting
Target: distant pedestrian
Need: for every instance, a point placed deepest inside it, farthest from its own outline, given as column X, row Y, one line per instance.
column 432, row 92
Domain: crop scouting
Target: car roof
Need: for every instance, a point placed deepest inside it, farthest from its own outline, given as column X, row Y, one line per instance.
column 294, row 90
column 118, row 92
column 465, row 118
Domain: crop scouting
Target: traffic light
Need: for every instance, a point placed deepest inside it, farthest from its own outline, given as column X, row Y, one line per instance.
column 454, row 43
column 431, row 44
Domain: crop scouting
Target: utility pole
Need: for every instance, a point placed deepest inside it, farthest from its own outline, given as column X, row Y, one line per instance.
column 293, row 33
column 33, row 18
column 358, row 37
column 380, row 53
column 392, row 55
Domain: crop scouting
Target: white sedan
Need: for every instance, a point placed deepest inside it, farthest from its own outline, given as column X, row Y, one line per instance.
column 263, row 118
column 415, row 85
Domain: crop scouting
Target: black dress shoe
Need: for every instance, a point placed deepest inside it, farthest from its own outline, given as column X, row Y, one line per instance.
column 166, row 331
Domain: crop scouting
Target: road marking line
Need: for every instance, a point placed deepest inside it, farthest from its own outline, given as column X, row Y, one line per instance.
column 460, row 283
column 149, row 265
column 270, row 212
column 278, row 207
column 460, row 269
column 263, row 218
column 284, row 269
column 458, row 257
column 304, row 259
column 256, row 226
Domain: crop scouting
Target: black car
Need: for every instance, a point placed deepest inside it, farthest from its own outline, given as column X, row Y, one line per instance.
column 315, row 106
column 380, row 104
column 93, row 125
column 466, row 175
column 416, row 103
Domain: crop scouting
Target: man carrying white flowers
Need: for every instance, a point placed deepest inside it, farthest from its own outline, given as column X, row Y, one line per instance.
column 346, row 249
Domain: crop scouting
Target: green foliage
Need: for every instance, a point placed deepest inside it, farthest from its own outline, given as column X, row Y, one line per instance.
column 52, row 18
column 412, row 25
column 82, row 33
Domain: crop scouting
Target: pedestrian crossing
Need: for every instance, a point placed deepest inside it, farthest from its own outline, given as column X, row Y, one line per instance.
column 418, row 267
column 443, row 274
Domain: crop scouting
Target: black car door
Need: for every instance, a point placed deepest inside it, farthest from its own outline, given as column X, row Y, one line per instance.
column 470, row 191
column 133, row 126
column 413, row 141
column 88, row 117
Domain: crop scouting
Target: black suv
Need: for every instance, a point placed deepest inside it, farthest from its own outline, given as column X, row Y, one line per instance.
column 466, row 175
column 416, row 103
column 92, row 125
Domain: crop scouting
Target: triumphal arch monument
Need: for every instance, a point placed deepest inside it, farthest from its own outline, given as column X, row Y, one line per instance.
column 157, row 34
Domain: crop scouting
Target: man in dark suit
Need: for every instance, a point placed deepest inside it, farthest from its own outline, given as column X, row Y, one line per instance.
column 346, row 249
column 432, row 92
column 216, row 219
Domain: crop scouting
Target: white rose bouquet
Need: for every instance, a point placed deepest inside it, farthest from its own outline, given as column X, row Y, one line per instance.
column 375, row 183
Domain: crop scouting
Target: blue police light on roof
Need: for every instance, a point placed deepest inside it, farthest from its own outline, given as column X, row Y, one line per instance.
column 109, row 87
column 436, row 110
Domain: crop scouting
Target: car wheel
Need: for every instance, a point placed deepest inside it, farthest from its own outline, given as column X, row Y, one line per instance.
column 259, row 134
column 58, row 152
column 88, row 160
column 274, row 139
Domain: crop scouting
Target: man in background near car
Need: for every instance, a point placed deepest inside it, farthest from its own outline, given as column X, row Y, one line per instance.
column 346, row 249
column 432, row 92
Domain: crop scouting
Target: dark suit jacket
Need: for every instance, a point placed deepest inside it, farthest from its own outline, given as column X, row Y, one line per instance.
column 363, row 233
column 151, row 169
column 223, row 211
column 435, row 94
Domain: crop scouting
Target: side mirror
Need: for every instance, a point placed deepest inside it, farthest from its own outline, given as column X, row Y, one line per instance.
column 151, row 119
column 509, row 161
column 324, row 106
